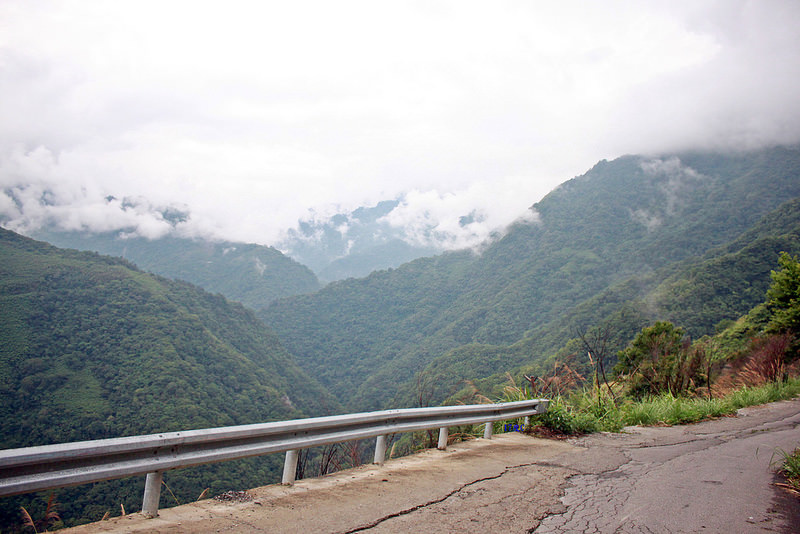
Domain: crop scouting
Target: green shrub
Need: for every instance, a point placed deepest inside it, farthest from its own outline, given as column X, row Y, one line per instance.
column 560, row 417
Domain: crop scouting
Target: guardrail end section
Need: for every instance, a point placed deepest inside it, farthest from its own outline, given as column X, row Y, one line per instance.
column 152, row 494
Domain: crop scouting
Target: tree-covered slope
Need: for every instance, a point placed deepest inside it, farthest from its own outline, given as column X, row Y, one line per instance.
column 91, row 347
column 729, row 280
column 622, row 220
column 701, row 294
column 352, row 329
column 251, row 274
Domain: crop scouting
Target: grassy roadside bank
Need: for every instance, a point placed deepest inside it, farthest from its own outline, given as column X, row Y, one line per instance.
column 582, row 412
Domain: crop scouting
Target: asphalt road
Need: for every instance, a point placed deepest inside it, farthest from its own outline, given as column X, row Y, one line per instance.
column 714, row 476
column 709, row 477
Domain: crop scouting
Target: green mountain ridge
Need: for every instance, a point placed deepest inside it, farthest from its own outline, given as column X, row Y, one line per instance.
column 625, row 220
column 699, row 292
column 91, row 347
column 252, row 274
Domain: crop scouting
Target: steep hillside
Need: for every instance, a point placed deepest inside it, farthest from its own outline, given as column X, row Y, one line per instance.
column 91, row 347
column 251, row 274
column 729, row 280
column 622, row 220
column 700, row 294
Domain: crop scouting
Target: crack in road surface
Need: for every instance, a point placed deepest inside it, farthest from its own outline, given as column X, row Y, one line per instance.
column 685, row 480
column 437, row 501
column 594, row 502
column 513, row 500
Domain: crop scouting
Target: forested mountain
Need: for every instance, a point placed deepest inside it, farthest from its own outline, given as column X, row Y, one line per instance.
column 348, row 245
column 91, row 347
column 703, row 293
column 630, row 234
column 251, row 274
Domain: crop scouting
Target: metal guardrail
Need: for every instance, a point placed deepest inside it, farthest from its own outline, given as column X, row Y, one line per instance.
column 68, row 464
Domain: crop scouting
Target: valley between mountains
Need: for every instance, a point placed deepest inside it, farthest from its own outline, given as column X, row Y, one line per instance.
column 127, row 337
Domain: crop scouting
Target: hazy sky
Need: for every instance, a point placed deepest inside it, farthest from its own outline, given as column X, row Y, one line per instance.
column 247, row 115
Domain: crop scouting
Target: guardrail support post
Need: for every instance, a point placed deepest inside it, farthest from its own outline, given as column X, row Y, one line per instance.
column 527, row 423
column 289, row 468
column 487, row 430
column 442, row 439
column 380, row 450
column 152, row 494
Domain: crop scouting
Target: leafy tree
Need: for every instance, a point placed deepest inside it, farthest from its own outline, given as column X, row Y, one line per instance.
column 659, row 359
column 783, row 297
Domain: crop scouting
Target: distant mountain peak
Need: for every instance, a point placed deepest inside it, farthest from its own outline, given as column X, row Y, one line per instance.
column 352, row 244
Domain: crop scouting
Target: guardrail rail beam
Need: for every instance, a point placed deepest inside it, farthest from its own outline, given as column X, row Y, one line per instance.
column 46, row 467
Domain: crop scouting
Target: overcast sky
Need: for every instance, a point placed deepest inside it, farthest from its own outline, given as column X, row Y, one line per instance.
column 251, row 115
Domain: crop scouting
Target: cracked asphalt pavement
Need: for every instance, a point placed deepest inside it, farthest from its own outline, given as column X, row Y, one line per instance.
column 714, row 476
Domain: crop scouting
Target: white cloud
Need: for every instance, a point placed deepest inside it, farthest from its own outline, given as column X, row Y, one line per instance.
column 464, row 218
column 251, row 114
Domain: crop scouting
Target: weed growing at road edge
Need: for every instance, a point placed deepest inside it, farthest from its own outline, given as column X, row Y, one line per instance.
column 790, row 468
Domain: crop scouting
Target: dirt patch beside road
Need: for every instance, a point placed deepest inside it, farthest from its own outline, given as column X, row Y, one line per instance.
column 499, row 485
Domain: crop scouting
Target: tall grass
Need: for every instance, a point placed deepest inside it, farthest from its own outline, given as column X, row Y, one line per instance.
column 767, row 393
column 666, row 409
column 582, row 413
